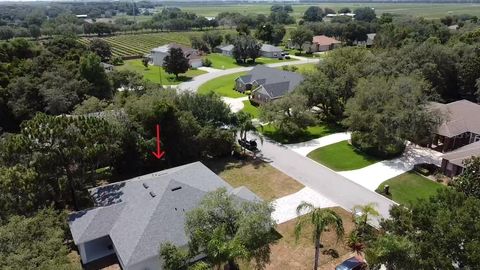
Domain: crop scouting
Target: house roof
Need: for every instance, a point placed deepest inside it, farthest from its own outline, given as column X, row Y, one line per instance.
column 459, row 155
column 324, row 40
column 190, row 53
column 141, row 213
column 276, row 83
column 270, row 48
column 461, row 116
column 226, row 47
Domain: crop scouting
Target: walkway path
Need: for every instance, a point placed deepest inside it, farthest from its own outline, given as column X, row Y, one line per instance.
column 236, row 104
column 372, row 176
column 286, row 207
column 197, row 81
column 321, row 179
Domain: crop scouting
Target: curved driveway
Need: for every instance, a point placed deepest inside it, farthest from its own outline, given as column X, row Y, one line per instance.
column 195, row 83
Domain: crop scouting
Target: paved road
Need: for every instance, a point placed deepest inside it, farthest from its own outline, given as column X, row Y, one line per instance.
column 330, row 184
column 195, row 83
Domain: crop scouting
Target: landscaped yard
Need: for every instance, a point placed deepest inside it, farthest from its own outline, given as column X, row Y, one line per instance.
column 409, row 187
column 290, row 254
column 153, row 72
column 312, row 132
column 261, row 178
column 254, row 111
column 221, row 61
column 222, row 86
column 342, row 156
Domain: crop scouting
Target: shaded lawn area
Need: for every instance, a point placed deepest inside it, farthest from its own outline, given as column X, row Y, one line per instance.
column 342, row 156
column 290, row 254
column 312, row 132
column 221, row 61
column 222, row 86
column 409, row 187
column 153, row 72
column 251, row 109
column 264, row 180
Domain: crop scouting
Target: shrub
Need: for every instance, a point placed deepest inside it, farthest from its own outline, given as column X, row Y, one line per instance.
column 117, row 61
column 206, row 62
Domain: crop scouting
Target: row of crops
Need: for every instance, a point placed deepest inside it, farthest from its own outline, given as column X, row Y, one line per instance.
column 140, row 44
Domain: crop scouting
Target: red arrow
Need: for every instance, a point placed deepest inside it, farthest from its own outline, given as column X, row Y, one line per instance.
column 159, row 154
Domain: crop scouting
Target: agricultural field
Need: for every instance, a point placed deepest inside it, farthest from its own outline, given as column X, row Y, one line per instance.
column 140, row 44
column 431, row 11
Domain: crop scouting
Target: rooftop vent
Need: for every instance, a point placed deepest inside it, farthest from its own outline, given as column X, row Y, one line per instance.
column 145, row 185
column 152, row 194
column 176, row 188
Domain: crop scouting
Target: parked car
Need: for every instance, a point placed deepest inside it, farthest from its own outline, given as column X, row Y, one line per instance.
column 248, row 144
column 354, row 263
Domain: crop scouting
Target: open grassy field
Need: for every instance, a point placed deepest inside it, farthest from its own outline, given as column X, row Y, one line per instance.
column 261, row 178
column 223, row 86
column 432, row 11
column 407, row 188
column 342, row 156
column 254, row 111
column 153, row 73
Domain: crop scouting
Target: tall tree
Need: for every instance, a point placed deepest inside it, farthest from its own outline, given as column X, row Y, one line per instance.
column 213, row 39
column 269, row 33
column 176, row 62
column 93, row 72
column 101, row 48
column 226, row 230
column 366, row 14
column 300, row 36
column 469, row 180
column 320, row 220
column 313, row 14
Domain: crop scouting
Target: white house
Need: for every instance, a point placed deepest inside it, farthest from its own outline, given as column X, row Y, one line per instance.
column 158, row 54
column 132, row 218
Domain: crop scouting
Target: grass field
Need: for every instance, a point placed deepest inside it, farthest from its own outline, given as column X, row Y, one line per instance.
column 432, row 11
column 221, row 61
column 261, row 178
column 153, row 73
column 223, row 86
column 409, row 187
column 342, row 156
column 254, row 111
column 312, row 132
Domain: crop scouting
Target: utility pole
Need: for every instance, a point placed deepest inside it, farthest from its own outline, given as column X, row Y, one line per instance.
column 160, row 75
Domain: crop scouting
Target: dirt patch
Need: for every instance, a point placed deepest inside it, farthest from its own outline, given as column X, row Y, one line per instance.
column 289, row 254
column 258, row 176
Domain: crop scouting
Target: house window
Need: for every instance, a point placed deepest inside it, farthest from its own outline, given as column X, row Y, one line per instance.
column 477, row 138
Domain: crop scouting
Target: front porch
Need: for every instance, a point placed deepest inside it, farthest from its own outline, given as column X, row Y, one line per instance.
column 445, row 144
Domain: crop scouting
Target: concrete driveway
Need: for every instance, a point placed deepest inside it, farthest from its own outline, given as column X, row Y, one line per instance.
column 304, row 148
column 321, row 179
column 197, row 81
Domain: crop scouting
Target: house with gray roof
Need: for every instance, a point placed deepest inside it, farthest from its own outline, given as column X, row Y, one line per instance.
column 226, row 50
column 453, row 162
column 132, row 218
column 460, row 127
column 267, row 84
column 271, row 51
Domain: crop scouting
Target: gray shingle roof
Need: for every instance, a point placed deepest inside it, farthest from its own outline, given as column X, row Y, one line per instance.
column 461, row 116
column 138, row 222
column 459, row 155
column 276, row 83
column 270, row 48
column 227, row 48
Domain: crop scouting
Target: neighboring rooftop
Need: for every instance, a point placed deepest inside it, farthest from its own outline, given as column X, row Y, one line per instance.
column 141, row 213
column 226, row 47
column 275, row 83
column 461, row 116
column 270, row 48
column 324, row 40
column 458, row 156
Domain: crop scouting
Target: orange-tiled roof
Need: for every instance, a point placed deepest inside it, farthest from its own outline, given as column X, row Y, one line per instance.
column 324, row 40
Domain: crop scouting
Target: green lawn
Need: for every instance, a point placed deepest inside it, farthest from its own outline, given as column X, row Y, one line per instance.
column 342, row 156
column 221, row 61
column 249, row 108
column 306, row 68
column 407, row 188
column 222, row 86
column 312, row 132
column 153, row 72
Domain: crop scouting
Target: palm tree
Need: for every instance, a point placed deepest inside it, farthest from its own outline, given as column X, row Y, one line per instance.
column 362, row 214
column 245, row 125
column 320, row 219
